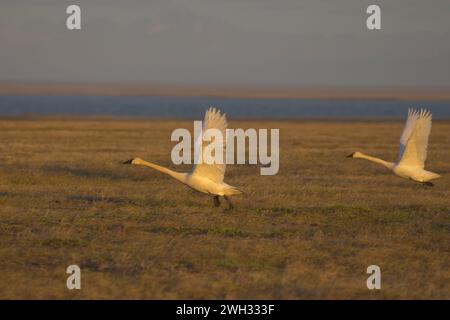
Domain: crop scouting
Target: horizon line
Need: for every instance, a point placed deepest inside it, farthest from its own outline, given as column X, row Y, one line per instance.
column 326, row 92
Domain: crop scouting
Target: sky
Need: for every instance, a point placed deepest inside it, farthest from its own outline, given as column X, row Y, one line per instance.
column 232, row 42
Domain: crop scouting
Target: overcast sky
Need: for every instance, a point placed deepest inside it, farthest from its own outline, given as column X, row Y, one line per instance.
column 270, row 42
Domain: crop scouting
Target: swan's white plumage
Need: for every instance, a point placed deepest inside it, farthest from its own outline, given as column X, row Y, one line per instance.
column 413, row 149
column 414, row 139
column 204, row 177
column 215, row 171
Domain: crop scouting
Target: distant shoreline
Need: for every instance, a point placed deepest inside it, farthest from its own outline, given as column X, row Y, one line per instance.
column 111, row 118
column 243, row 92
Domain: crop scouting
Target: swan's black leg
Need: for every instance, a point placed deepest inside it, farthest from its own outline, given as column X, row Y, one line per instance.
column 216, row 201
column 230, row 205
column 428, row 184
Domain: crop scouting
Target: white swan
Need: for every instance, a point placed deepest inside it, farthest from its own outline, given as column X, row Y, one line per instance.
column 205, row 178
column 413, row 149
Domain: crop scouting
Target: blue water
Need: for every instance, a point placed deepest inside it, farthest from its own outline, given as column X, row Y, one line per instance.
column 194, row 107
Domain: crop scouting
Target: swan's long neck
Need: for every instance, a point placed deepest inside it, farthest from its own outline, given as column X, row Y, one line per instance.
column 387, row 164
column 176, row 175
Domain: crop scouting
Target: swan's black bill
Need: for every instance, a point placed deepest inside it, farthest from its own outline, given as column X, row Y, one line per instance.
column 128, row 161
column 350, row 155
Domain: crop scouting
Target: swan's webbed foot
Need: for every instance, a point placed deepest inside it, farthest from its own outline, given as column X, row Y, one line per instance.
column 216, row 201
column 428, row 184
column 230, row 205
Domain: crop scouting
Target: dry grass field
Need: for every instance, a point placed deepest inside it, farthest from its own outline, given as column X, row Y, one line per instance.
column 307, row 233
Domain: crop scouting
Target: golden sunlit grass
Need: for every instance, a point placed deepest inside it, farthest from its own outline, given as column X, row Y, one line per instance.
column 309, row 232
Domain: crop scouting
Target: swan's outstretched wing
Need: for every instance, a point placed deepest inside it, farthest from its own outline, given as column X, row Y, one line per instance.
column 414, row 140
column 213, row 120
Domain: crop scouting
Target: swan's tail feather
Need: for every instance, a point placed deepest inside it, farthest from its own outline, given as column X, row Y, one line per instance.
column 432, row 175
column 234, row 190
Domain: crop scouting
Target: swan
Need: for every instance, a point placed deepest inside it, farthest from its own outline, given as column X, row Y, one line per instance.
column 205, row 178
column 413, row 149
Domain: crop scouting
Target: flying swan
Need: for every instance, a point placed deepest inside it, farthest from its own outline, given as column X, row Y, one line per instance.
column 413, row 149
column 205, row 178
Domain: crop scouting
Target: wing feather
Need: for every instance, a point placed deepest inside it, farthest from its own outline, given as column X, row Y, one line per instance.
column 414, row 140
column 216, row 171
